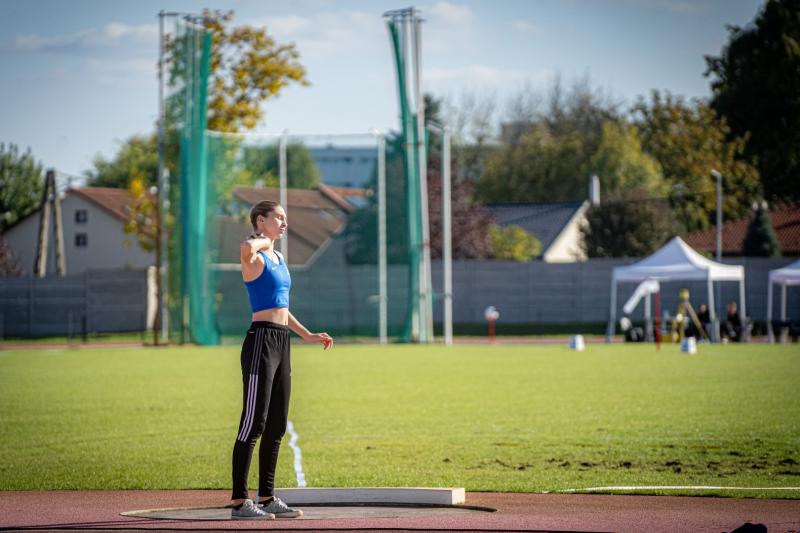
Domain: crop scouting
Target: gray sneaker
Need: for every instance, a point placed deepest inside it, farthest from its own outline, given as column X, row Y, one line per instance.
column 278, row 508
column 250, row 511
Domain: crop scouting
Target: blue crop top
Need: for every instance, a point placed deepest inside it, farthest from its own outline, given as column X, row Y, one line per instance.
column 271, row 288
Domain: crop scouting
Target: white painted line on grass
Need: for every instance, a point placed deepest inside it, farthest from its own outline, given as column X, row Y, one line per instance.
column 672, row 487
column 298, row 455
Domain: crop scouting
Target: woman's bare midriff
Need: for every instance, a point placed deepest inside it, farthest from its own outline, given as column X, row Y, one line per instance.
column 278, row 315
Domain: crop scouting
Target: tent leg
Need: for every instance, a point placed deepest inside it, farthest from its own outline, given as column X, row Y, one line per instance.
column 783, row 302
column 783, row 309
column 648, row 320
column 770, row 333
column 713, row 312
column 743, row 312
column 612, row 313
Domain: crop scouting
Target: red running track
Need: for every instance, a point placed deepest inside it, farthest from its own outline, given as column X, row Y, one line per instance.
column 99, row 511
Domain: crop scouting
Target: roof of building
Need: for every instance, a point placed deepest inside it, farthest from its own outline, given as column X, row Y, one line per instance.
column 314, row 217
column 546, row 220
column 115, row 201
column 356, row 196
column 785, row 220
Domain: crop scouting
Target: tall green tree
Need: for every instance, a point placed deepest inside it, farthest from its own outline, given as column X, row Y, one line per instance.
column 689, row 140
column 261, row 163
column 137, row 155
column 21, row 180
column 756, row 86
column 248, row 67
column 761, row 240
column 546, row 150
column 544, row 167
column 627, row 224
column 539, row 167
column 513, row 243
column 621, row 164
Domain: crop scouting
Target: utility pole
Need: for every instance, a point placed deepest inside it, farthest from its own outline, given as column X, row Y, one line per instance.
column 715, row 174
column 50, row 203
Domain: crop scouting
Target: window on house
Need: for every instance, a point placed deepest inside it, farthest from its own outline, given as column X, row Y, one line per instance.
column 81, row 216
column 81, row 240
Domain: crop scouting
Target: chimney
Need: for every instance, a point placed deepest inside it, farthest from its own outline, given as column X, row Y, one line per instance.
column 594, row 190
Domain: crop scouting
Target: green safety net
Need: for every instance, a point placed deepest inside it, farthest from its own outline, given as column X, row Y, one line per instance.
column 191, row 298
column 410, row 140
column 332, row 242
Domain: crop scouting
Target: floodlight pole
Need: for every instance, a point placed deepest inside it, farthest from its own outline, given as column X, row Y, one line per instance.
column 715, row 174
column 718, row 177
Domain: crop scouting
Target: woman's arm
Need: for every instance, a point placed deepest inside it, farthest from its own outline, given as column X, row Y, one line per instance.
column 248, row 251
column 323, row 338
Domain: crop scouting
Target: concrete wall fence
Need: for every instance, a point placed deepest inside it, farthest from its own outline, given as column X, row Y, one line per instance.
column 524, row 293
column 100, row 301
column 563, row 293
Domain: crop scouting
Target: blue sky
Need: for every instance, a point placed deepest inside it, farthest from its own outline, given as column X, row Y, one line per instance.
column 79, row 76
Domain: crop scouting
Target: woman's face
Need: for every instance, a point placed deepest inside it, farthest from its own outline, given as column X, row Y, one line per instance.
column 273, row 225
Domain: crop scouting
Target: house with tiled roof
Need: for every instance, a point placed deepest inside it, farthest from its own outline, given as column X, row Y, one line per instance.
column 556, row 225
column 315, row 218
column 785, row 220
column 94, row 219
column 94, row 237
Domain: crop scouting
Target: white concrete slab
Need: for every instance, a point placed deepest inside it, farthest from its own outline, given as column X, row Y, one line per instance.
column 407, row 495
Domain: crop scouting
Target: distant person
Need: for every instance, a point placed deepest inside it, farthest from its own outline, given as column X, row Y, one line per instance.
column 266, row 365
column 704, row 317
column 732, row 327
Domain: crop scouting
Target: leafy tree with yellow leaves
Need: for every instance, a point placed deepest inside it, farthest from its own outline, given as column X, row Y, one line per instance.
column 247, row 68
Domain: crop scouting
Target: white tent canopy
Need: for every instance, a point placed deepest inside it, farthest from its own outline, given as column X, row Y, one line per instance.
column 676, row 261
column 786, row 276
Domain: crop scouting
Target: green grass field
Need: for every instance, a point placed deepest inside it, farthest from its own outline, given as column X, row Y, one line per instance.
column 493, row 418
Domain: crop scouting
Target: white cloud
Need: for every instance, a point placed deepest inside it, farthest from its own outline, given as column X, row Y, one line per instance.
column 526, row 27
column 285, row 26
column 449, row 27
column 326, row 34
column 447, row 14
column 113, row 34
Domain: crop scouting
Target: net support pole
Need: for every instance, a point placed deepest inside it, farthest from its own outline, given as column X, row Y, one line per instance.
column 425, row 292
column 160, row 326
column 283, row 191
column 447, row 240
column 383, row 323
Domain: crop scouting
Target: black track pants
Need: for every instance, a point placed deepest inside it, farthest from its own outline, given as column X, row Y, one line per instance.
column 266, row 377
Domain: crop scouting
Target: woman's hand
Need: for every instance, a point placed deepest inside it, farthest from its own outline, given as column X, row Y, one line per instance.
column 323, row 338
